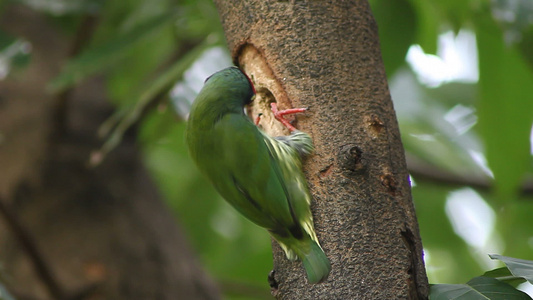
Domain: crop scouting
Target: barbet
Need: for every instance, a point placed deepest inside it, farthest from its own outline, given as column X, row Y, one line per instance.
column 258, row 175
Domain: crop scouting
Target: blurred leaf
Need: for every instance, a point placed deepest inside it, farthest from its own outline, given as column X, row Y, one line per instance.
column 230, row 246
column 14, row 54
column 526, row 44
column 199, row 18
column 452, row 93
column 482, row 288
column 518, row 267
column 514, row 223
column 448, row 257
column 456, row 12
column 397, row 27
column 158, row 88
column 426, row 130
column 6, row 39
column 428, row 23
column 514, row 17
column 505, row 107
column 142, row 62
column 107, row 54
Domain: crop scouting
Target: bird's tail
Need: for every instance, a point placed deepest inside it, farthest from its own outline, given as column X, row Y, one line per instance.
column 316, row 264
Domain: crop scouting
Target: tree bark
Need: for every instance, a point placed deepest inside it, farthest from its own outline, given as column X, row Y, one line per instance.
column 69, row 231
column 325, row 55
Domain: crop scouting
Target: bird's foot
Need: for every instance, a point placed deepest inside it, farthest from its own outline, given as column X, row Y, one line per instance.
column 278, row 114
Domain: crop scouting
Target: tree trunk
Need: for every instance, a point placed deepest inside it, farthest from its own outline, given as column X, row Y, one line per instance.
column 69, row 231
column 325, row 55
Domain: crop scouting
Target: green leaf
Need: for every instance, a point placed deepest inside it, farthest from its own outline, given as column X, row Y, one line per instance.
column 505, row 107
column 479, row 288
column 103, row 56
column 518, row 267
column 503, row 274
column 397, row 26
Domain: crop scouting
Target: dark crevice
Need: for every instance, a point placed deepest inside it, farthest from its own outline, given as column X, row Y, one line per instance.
column 413, row 284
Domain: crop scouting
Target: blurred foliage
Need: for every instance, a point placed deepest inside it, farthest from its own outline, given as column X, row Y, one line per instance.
column 478, row 288
column 498, row 284
column 487, row 146
column 456, row 133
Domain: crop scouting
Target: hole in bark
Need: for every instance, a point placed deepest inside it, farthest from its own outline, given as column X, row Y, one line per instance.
column 389, row 182
column 273, row 283
column 350, row 159
column 325, row 171
column 376, row 125
column 409, row 241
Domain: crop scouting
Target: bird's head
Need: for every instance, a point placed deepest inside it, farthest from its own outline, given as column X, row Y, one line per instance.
column 234, row 83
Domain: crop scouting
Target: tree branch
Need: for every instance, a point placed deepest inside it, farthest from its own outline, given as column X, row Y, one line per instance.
column 325, row 56
column 43, row 271
column 423, row 171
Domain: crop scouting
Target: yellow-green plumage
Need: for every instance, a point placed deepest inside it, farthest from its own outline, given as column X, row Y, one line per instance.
column 258, row 175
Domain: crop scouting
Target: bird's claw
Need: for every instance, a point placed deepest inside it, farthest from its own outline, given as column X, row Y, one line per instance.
column 278, row 114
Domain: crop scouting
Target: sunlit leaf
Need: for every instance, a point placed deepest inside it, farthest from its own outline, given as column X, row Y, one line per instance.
column 479, row 288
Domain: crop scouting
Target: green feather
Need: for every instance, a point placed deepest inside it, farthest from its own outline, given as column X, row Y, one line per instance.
column 258, row 175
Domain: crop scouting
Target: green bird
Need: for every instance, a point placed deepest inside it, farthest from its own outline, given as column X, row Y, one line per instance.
column 259, row 175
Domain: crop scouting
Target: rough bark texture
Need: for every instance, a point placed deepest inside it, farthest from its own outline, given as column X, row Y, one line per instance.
column 68, row 231
column 325, row 55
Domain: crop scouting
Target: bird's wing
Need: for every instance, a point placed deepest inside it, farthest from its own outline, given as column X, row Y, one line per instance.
column 299, row 141
column 256, row 187
column 287, row 151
